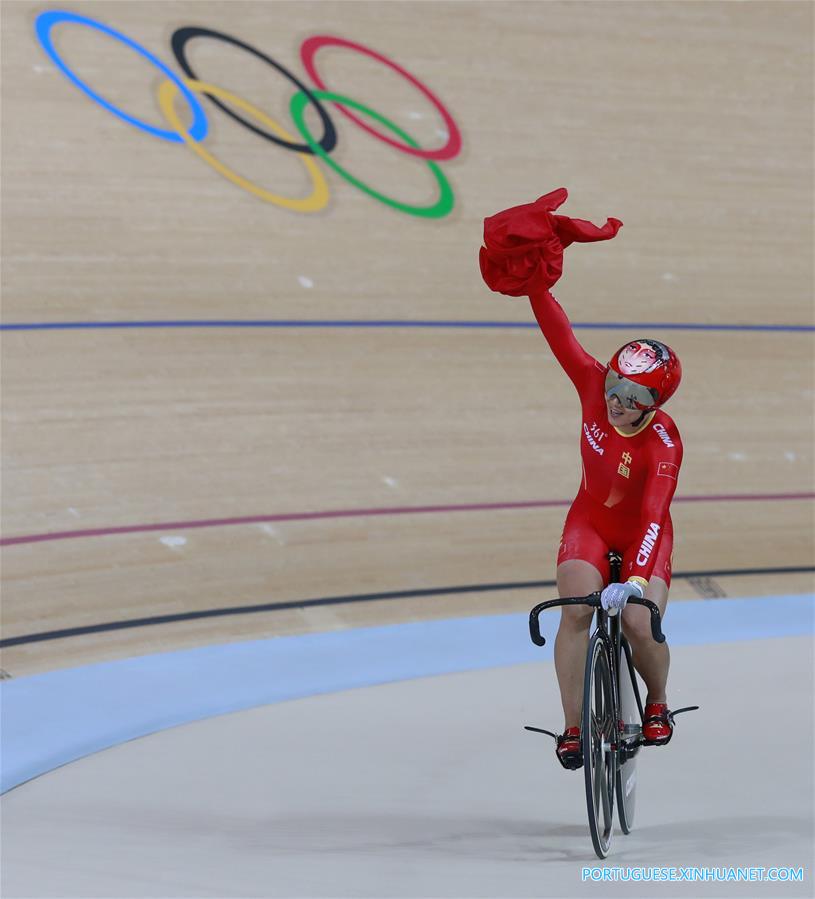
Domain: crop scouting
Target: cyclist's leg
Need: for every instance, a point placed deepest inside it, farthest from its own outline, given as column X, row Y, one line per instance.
column 651, row 659
column 582, row 569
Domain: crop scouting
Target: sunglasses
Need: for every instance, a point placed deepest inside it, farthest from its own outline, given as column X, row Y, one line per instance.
column 631, row 395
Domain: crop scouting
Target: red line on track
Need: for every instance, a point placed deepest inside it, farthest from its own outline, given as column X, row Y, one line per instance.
column 362, row 513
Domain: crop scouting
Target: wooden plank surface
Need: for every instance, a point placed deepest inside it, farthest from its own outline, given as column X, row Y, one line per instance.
column 691, row 122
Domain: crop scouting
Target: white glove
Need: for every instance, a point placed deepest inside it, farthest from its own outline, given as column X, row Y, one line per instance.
column 615, row 596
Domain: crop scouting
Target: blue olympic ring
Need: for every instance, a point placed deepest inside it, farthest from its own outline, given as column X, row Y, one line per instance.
column 46, row 21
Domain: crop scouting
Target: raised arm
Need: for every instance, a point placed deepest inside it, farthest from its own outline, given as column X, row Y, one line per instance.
column 557, row 330
column 523, row 256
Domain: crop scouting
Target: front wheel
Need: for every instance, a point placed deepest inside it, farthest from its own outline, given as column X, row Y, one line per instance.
column 599, row 733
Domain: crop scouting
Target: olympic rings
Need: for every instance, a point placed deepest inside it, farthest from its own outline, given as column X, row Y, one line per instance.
column 312, row 203
column 271, row 130
column 46, row 21
column 179, row 42
column 440, row 208
column 448, row 151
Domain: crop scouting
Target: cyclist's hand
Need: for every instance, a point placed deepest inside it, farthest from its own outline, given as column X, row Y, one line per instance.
column 615, row 596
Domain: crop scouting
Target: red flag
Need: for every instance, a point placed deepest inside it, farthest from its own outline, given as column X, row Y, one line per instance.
column 667, row 470
column 524, row 244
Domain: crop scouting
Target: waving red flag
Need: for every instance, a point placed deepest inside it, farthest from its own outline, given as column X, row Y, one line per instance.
column 524, row 244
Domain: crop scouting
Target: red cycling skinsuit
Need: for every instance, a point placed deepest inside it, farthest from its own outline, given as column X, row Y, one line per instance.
column 628, row 480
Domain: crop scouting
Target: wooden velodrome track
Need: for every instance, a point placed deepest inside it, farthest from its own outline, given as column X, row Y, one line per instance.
column 159, row 471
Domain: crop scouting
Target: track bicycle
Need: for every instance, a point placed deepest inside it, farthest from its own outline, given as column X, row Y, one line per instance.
column 612, row 715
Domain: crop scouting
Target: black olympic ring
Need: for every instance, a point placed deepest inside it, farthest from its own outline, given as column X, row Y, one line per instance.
column 179, row 42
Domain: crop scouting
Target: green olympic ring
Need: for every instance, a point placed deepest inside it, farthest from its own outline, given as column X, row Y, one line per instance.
column 439, row 209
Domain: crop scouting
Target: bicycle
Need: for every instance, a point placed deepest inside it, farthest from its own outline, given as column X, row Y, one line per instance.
column 612, row 715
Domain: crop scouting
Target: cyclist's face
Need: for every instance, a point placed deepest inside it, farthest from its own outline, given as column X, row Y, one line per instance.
column 618, row 415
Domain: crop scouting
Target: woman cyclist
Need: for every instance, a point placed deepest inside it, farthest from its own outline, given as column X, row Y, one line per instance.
column 631, row 454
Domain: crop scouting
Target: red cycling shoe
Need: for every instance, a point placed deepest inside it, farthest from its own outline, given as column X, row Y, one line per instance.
column 569, row 749
column 657, row 724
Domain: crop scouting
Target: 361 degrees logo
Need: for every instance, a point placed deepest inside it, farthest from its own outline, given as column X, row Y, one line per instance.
column 262, row 125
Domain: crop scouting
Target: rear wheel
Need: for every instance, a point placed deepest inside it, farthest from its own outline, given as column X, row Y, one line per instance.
column 599, row 733
column 631, row 716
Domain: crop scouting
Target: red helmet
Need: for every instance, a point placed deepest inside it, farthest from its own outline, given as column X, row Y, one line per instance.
column 643, row 374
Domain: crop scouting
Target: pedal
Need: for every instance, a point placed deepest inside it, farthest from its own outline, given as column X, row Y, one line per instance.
column 688, row 708
column 671, row 717
column 569, row 762
column 540, row 730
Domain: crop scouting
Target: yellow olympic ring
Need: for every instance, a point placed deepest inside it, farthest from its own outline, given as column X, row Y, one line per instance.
column 315, row 201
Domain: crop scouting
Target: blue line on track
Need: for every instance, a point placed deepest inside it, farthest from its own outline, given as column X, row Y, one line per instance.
column 53, row 718
column 395, row 323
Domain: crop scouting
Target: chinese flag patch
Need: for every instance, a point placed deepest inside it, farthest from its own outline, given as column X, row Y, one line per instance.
column 667, row 470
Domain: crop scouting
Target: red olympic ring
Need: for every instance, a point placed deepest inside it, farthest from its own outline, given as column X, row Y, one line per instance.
column 448, row 151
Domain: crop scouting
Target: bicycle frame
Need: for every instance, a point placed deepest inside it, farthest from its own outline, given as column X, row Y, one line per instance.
column 622, row 737
column 609, row 629
column 612, row 738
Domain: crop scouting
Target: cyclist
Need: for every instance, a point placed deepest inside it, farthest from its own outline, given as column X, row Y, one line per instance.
column 631, row 454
